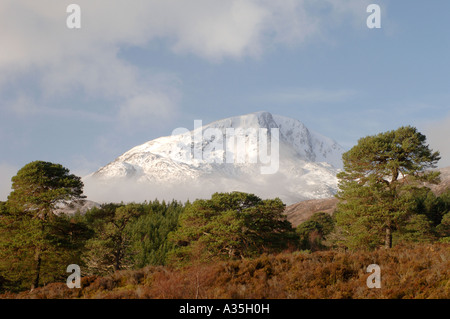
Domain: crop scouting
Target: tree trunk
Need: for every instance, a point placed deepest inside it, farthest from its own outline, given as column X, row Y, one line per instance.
column 118, row 256
column 388, row 238
column 37, row 269
column 117, row 261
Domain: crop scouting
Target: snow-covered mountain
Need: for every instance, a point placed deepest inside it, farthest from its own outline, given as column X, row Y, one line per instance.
column 268, row 155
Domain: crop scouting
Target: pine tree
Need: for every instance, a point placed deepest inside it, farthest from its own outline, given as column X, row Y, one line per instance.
column 231, row 225
column 313, row 231
column 150, row 233
column 379, row 173
column 31, row 239
column 110, row 248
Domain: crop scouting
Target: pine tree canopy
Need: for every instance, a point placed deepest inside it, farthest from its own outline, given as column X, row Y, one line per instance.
column 378, row 174
column 388, row 156
column 39, row 186
column 33, row 232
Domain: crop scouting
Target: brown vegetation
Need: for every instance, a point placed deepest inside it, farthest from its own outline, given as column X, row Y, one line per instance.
column 419, row 271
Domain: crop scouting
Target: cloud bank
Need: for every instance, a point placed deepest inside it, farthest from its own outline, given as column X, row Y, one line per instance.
column 64, row 62
column 44, row 65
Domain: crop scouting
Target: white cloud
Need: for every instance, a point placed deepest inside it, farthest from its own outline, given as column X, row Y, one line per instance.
column 141, row 110
column 37, row 44
column 218, row 29
column 39, row 51
column 35, row 32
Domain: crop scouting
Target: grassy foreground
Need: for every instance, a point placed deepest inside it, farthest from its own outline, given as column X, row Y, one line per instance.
column 416, row 271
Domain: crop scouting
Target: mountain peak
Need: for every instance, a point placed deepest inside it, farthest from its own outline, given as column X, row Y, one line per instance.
column 261, row 119
column 196, row 163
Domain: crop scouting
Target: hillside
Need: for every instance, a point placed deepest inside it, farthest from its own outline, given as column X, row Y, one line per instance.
column 300, row 212
column 445, row 181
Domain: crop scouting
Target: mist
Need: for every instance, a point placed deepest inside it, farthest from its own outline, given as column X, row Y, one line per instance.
column 438, row 134
column 264, row 186
column 6, row 173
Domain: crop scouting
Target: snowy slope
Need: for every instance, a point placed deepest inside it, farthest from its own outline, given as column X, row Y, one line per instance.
column 197, row 163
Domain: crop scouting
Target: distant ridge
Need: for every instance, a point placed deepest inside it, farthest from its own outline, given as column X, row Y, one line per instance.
column 445, row 181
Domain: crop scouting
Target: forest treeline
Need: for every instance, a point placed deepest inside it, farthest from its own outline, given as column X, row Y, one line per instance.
column 117, row 237
column 384, row 204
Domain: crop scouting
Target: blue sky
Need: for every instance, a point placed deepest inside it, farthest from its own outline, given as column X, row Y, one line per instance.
column 137, row 70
